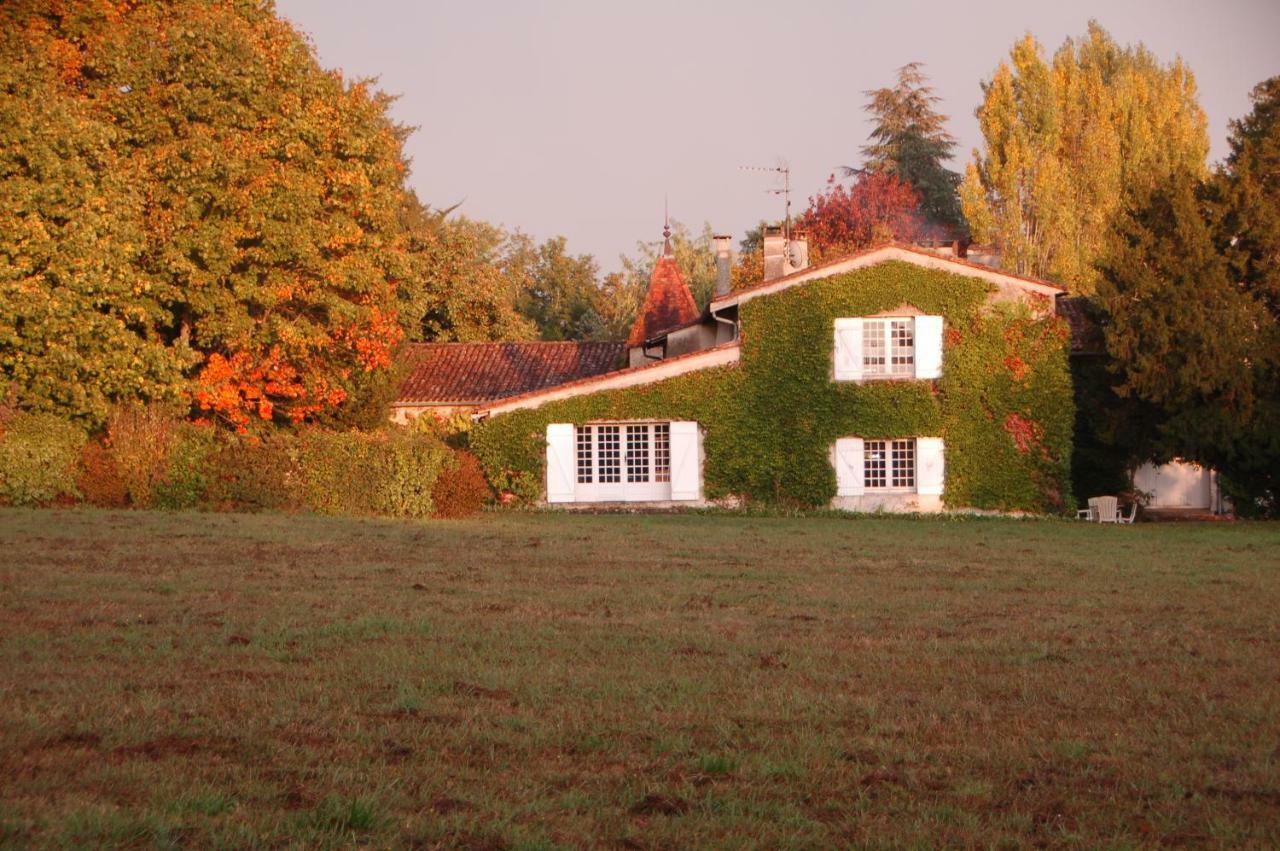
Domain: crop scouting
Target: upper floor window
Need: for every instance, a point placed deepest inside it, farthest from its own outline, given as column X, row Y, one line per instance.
column 888, row 347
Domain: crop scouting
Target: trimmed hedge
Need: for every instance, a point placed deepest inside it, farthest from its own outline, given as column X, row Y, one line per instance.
column 150, row 458
column 1003, row 404
column 39, row 459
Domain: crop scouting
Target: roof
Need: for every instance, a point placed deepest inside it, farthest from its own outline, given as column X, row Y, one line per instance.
column 667, row 304
column 475, row 373
column 879, row 254
column 649, row 373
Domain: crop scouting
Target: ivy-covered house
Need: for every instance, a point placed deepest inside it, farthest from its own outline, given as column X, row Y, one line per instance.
column 894, row 379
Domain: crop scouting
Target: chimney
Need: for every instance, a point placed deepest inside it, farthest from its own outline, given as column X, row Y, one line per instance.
column 723, row 285
column 782, row 257
column 775, row 250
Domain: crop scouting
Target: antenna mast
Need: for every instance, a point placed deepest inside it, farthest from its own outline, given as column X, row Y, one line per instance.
column 785, row 192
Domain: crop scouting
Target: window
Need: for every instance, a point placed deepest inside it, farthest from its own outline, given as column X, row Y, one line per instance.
column 638, row 453
column 609, row 455
column 624, row 462
column 662, row 452
column 889, row 464
column 584, row 455
column 888, row 347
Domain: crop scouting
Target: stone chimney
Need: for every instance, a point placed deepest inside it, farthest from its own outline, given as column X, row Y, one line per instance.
column 723, row 285
column 782, row 257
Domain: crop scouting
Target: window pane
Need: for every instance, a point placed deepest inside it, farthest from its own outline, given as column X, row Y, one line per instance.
column 873, row 353
column 873, row 464
column 902, row 347
column 609, row 454
column 584, row 455
column 662, row 452
column 904, row 463
column 637, row 453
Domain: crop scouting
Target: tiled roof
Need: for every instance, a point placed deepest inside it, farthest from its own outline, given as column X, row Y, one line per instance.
column 809, row 273
column 668, row 303
column 474, row 373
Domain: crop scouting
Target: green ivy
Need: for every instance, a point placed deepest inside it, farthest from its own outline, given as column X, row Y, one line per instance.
column 1003, row 404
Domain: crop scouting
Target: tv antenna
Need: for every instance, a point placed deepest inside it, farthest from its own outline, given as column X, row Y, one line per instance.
column 785, row 192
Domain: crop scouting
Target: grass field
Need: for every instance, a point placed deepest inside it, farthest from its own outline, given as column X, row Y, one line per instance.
column 539, row 680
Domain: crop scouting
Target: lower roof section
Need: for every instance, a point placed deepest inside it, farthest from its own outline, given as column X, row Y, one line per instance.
column 660, row 370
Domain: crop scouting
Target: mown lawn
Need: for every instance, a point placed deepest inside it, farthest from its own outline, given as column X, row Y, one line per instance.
column 536, row 681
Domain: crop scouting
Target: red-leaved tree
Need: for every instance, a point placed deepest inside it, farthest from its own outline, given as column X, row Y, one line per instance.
column 878, row 207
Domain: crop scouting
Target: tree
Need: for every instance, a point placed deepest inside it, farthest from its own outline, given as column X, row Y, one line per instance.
column 878, row 207
column 556, row 289
column 235, row 209
column 1192, row 325
column 910, row 142
column 1067, row 142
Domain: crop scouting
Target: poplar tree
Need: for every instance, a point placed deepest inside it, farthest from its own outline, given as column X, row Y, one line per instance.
column 1066, row 141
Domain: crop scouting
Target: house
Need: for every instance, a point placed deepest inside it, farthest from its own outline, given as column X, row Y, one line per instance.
column 894, row 379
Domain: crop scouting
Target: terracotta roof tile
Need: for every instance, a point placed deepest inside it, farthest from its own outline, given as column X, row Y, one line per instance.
column 474, row 373
column 668, row 303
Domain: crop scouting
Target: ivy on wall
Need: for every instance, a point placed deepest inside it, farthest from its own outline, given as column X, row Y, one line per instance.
column 1003, row 404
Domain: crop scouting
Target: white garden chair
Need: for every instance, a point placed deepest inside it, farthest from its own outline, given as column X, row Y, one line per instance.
column 1103, row 509
column 1133, row 514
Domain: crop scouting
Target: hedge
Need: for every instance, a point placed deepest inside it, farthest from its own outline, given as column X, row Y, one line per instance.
column 1003, row 405
column 151, row 458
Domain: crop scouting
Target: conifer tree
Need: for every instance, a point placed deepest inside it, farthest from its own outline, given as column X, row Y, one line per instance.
column 910, row 141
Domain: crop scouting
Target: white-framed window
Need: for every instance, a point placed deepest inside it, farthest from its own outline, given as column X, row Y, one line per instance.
column 889, row 465
column 624, row 462
column 888, row 347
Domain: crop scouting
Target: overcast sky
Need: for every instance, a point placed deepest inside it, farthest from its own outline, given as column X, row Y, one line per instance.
column 578, row 117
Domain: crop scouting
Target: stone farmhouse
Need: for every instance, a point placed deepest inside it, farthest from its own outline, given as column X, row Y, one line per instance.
column 894, row 379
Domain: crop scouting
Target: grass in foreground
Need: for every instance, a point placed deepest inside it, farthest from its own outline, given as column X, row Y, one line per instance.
column 533, row 681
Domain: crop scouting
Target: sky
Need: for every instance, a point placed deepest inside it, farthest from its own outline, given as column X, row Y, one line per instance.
column 581, row 117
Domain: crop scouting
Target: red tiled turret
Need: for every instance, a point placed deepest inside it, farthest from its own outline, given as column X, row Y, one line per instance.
column 668, row 303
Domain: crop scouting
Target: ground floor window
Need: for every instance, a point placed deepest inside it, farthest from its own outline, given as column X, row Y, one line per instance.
column 890, row 465
column 627, row 462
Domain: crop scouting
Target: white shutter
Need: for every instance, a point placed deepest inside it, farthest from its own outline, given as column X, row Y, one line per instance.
column 930, row 465
column 686, row 461
column 849, row 461
column 561, row 471
column 848, row 350
column 928, row 333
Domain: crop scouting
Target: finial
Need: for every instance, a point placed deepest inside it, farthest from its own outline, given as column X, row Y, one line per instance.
column 666, row 228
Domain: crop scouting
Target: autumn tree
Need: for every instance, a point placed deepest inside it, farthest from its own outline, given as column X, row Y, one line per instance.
column 1188, row 285
column 1067, row 141
column 910, row 142
column 876, row 208
column 223, row 222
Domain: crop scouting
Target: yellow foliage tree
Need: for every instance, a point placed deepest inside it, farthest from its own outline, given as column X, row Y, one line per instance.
column 1067, row 140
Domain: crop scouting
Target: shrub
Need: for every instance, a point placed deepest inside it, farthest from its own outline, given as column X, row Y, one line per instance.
column 140, row 438
column 253, row 474
column 38, row 455
column 410, row 464
column 338, row 472
column 460, row 489
column 190, row 468
column 99, row 478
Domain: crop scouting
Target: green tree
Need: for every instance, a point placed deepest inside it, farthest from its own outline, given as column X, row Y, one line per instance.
column 1192, row 325
column 245, row 204
column 910, row 141
column 1067, row 141
column 558, row 290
